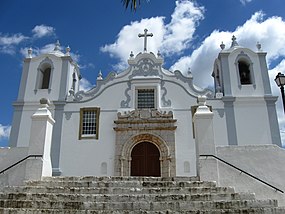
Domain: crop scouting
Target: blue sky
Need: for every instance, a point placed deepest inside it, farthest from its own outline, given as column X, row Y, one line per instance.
column 101, row 35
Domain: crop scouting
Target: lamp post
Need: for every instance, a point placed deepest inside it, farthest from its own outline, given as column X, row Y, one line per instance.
column 280, row 81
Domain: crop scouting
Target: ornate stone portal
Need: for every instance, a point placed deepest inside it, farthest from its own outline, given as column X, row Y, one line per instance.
column 145, row 125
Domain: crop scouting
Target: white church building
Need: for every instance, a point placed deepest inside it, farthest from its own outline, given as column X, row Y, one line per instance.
column 149, row 121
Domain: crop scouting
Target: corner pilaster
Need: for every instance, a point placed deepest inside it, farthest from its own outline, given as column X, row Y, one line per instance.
column 40, row 143
column 207, row 167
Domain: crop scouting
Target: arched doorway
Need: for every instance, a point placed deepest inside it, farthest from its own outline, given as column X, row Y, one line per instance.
column 145, row 160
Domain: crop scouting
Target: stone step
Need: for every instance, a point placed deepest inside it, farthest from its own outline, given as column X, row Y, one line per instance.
column 119, row 190
column 69, row 211
column 159, row 184
column 118, row 178
column 139, row 205
column 126, row 197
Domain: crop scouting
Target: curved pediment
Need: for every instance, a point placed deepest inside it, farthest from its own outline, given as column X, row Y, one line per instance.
column 144, row 66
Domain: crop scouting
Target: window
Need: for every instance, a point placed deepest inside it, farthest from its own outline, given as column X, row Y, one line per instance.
column 145, row 98
column 45, row 78
column 244, row 73
column 44, row 75
column 89, row 123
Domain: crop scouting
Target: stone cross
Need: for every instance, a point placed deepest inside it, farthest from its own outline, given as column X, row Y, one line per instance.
column 145, row 35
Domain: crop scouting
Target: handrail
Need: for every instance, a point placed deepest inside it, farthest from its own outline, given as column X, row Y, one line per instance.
column 262, row 181
column 20, row 161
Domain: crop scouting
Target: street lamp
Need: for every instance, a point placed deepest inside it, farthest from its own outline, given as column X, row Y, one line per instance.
column 280, row 81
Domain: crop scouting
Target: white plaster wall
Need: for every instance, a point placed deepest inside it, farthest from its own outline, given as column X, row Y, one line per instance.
column 180, row 99
column 185, row 143
column 89, row 154
column 25, row 127
column 84, row 157
column 219, row 122
column 263, row 161
column 252, row 122
column 9, row 156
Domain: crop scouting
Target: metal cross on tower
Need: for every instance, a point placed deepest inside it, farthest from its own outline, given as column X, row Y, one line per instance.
column 145, row 35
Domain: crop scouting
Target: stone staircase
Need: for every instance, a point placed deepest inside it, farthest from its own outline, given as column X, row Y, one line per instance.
column 130, row 195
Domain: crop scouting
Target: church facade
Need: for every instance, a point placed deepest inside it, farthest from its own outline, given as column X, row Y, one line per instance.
column 139, row 122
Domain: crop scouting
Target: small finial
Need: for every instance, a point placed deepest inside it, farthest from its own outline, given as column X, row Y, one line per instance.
column 100, row 75
column 234, row 42
column 158, row 54
column 57, row 46
column 30, row 51
column 189, row 73
column 71, row 92
column 202, row 100
column 222, row 46
column 131, row 55
column 44, row 102
column 258, row 45
column 67, row 51
column 189, row 70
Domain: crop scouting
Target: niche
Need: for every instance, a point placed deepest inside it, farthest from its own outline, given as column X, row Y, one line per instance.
column 244, row 73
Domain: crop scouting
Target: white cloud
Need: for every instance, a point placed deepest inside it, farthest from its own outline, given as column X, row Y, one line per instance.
column 128, row 38
column 4, row 131
column 202, row 59
column 84, row 85
column 172, row 38
column 8, row 50
column 37, row 51
column 15, row 39
column 244, row 2
column 40, row 31
column 8, row 42
column 87, row 66
column 179, row 32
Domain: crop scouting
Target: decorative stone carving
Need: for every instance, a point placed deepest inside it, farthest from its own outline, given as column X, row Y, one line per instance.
column 82, row 95
column 145, row 67
column 145, row 114
column 126, row 103
column 189, row 80
column 165, row 103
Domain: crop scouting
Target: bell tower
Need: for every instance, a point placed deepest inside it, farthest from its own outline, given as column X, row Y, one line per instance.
column 241, row 72
column 242, row 83
column 53, row 76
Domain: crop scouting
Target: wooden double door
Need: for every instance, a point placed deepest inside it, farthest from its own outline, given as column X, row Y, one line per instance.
column 145, row 160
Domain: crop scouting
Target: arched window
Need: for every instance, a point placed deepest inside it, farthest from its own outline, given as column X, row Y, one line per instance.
column 44, row 75
column 244, row 73
column 45, row 78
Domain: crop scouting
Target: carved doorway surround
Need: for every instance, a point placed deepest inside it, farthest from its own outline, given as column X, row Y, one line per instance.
column 138, row 126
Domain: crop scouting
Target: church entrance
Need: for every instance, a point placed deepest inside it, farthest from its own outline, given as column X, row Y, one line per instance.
column 145, row 160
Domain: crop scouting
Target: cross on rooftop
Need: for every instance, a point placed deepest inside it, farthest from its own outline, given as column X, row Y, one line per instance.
column 145, row 35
